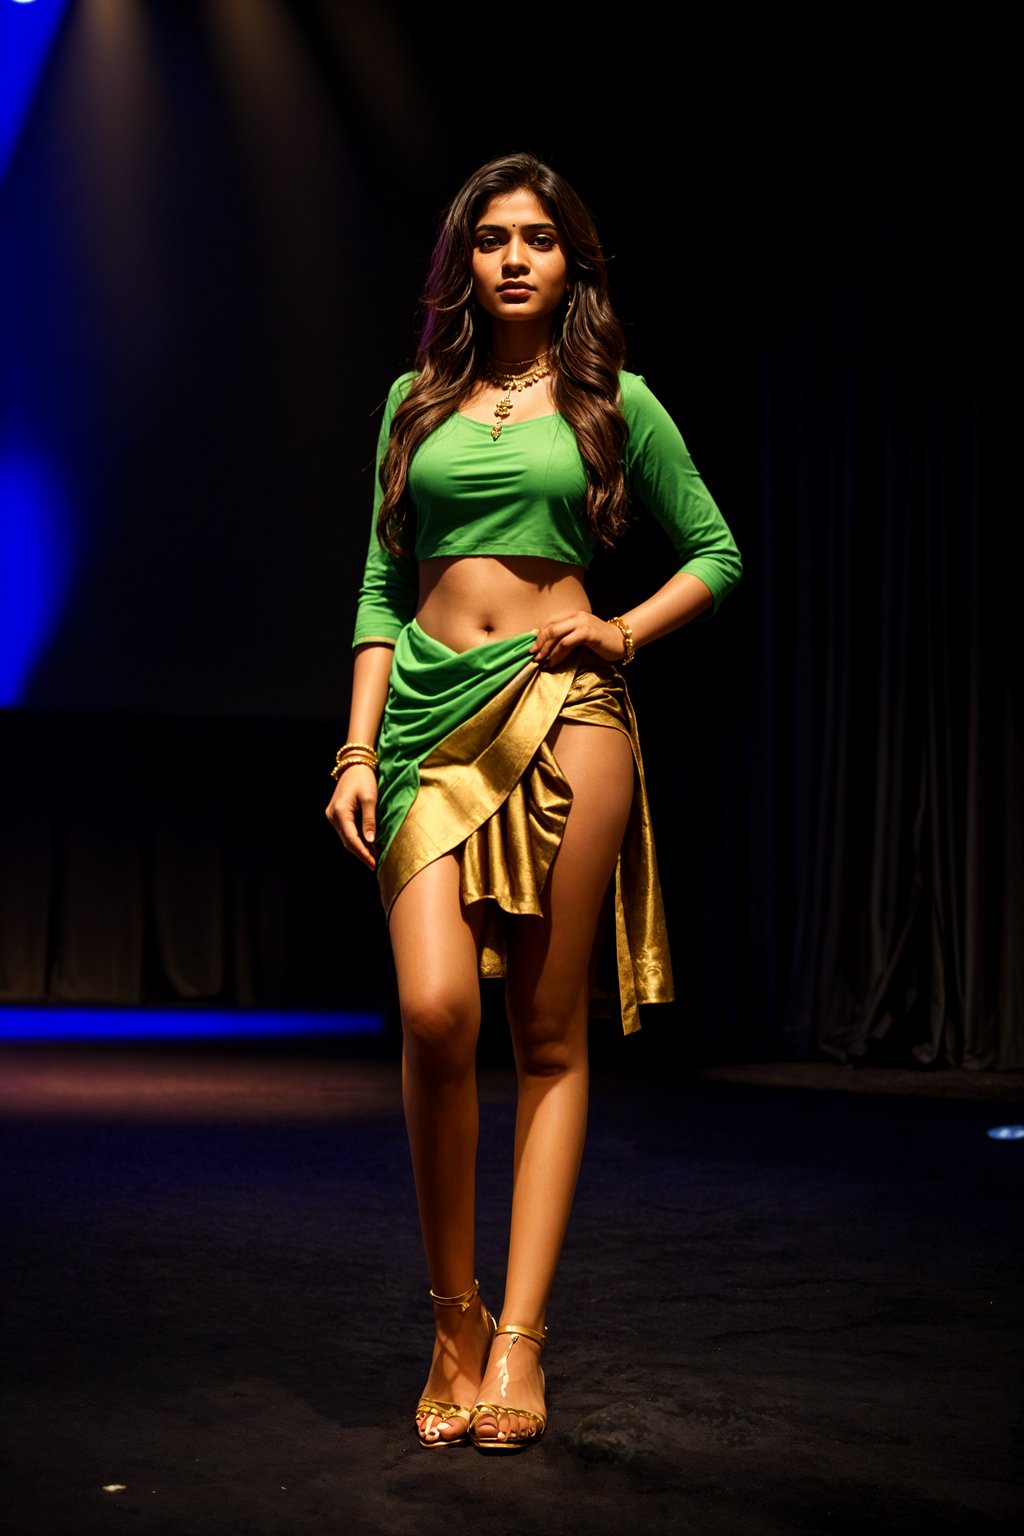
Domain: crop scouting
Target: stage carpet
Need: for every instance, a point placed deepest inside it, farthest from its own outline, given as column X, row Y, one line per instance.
column 790, row 1302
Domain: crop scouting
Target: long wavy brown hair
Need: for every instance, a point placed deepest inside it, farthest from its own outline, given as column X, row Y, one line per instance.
column 588, row 346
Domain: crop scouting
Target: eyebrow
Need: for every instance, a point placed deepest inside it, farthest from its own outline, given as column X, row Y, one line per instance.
column 503, row 228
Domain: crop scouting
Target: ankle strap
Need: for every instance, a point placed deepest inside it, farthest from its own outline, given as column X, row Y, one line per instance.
column 526, row 1333
column 462, row 1301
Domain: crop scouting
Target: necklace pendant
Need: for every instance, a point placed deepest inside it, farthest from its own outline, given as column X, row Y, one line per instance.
column 514, row 378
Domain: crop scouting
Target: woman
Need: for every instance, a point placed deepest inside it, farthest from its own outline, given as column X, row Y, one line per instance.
column 512, row 813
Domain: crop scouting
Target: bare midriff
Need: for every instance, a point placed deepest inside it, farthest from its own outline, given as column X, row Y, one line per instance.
column 470, row 600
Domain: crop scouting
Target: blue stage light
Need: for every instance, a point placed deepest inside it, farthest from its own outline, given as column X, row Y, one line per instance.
column 1007, row 1133
column 26, row 31
column 35, row 564
column 55, row 1024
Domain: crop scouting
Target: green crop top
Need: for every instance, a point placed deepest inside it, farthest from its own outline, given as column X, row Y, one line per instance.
column 523, row 495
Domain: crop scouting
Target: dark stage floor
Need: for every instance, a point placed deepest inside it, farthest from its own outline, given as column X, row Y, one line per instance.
column 790, row 1302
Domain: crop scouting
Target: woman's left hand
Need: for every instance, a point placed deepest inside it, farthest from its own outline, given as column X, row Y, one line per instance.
column 558, row 637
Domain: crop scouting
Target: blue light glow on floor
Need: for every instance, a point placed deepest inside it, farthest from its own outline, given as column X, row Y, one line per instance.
column 46, row 1023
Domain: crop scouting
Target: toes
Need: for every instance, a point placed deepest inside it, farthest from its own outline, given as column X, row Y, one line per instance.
column 504, row 1427
column 487, row 1428
column 426, row 1426
column 431, row 1427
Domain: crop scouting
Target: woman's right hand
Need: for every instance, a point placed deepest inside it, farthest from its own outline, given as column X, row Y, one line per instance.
column 352, row 812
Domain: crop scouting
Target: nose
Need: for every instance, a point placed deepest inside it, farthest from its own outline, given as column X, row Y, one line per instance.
column 516, row 254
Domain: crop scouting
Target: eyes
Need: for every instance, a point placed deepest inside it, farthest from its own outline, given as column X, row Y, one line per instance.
column 538, row 240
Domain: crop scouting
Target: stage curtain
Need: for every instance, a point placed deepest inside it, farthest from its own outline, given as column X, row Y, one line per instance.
column 888, row 692
column 179, row 861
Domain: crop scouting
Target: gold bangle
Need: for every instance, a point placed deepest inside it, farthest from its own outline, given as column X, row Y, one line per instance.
column 345, row 754
column 354, row 752
column 352, row 762
column 627, row 635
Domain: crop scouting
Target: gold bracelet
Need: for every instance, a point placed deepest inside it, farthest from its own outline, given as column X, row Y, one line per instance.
column 352, row 762
column 627, row 635
column 352, row 753
column 354, row 749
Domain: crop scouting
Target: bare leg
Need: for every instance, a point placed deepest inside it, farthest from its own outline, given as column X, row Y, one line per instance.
column 548, row 1004
column 434, row 941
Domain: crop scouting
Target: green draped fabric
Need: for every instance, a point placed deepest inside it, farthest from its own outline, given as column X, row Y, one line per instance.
column 433, row 690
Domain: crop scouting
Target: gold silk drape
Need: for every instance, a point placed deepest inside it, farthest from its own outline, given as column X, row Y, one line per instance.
column 493, row 789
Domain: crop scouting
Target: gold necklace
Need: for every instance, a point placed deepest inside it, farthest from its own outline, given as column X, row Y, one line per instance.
column 513, row 376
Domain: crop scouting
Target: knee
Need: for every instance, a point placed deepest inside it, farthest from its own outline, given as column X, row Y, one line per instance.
column 440, row 1033
column 550, row 1043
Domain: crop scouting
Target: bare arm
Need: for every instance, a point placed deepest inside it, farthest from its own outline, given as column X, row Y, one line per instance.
column 681, row 599
column 352, row 811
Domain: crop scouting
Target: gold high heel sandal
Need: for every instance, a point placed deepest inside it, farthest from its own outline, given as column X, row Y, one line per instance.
column 518, row 1441
column 448, row 1411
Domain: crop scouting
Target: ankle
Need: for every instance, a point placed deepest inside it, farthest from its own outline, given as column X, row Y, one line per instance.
column 451, row 1311
column 511, row 1325
column 462, row 1300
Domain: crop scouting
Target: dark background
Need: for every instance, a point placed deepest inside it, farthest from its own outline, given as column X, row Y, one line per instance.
column 216, row 226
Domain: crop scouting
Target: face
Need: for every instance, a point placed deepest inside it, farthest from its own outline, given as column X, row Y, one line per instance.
column 519, row 260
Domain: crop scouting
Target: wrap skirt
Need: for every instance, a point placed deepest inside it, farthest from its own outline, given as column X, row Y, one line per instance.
column 465, row 766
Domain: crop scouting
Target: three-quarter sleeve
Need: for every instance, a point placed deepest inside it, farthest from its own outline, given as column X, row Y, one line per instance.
column 661, row 474
column 387, row 596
